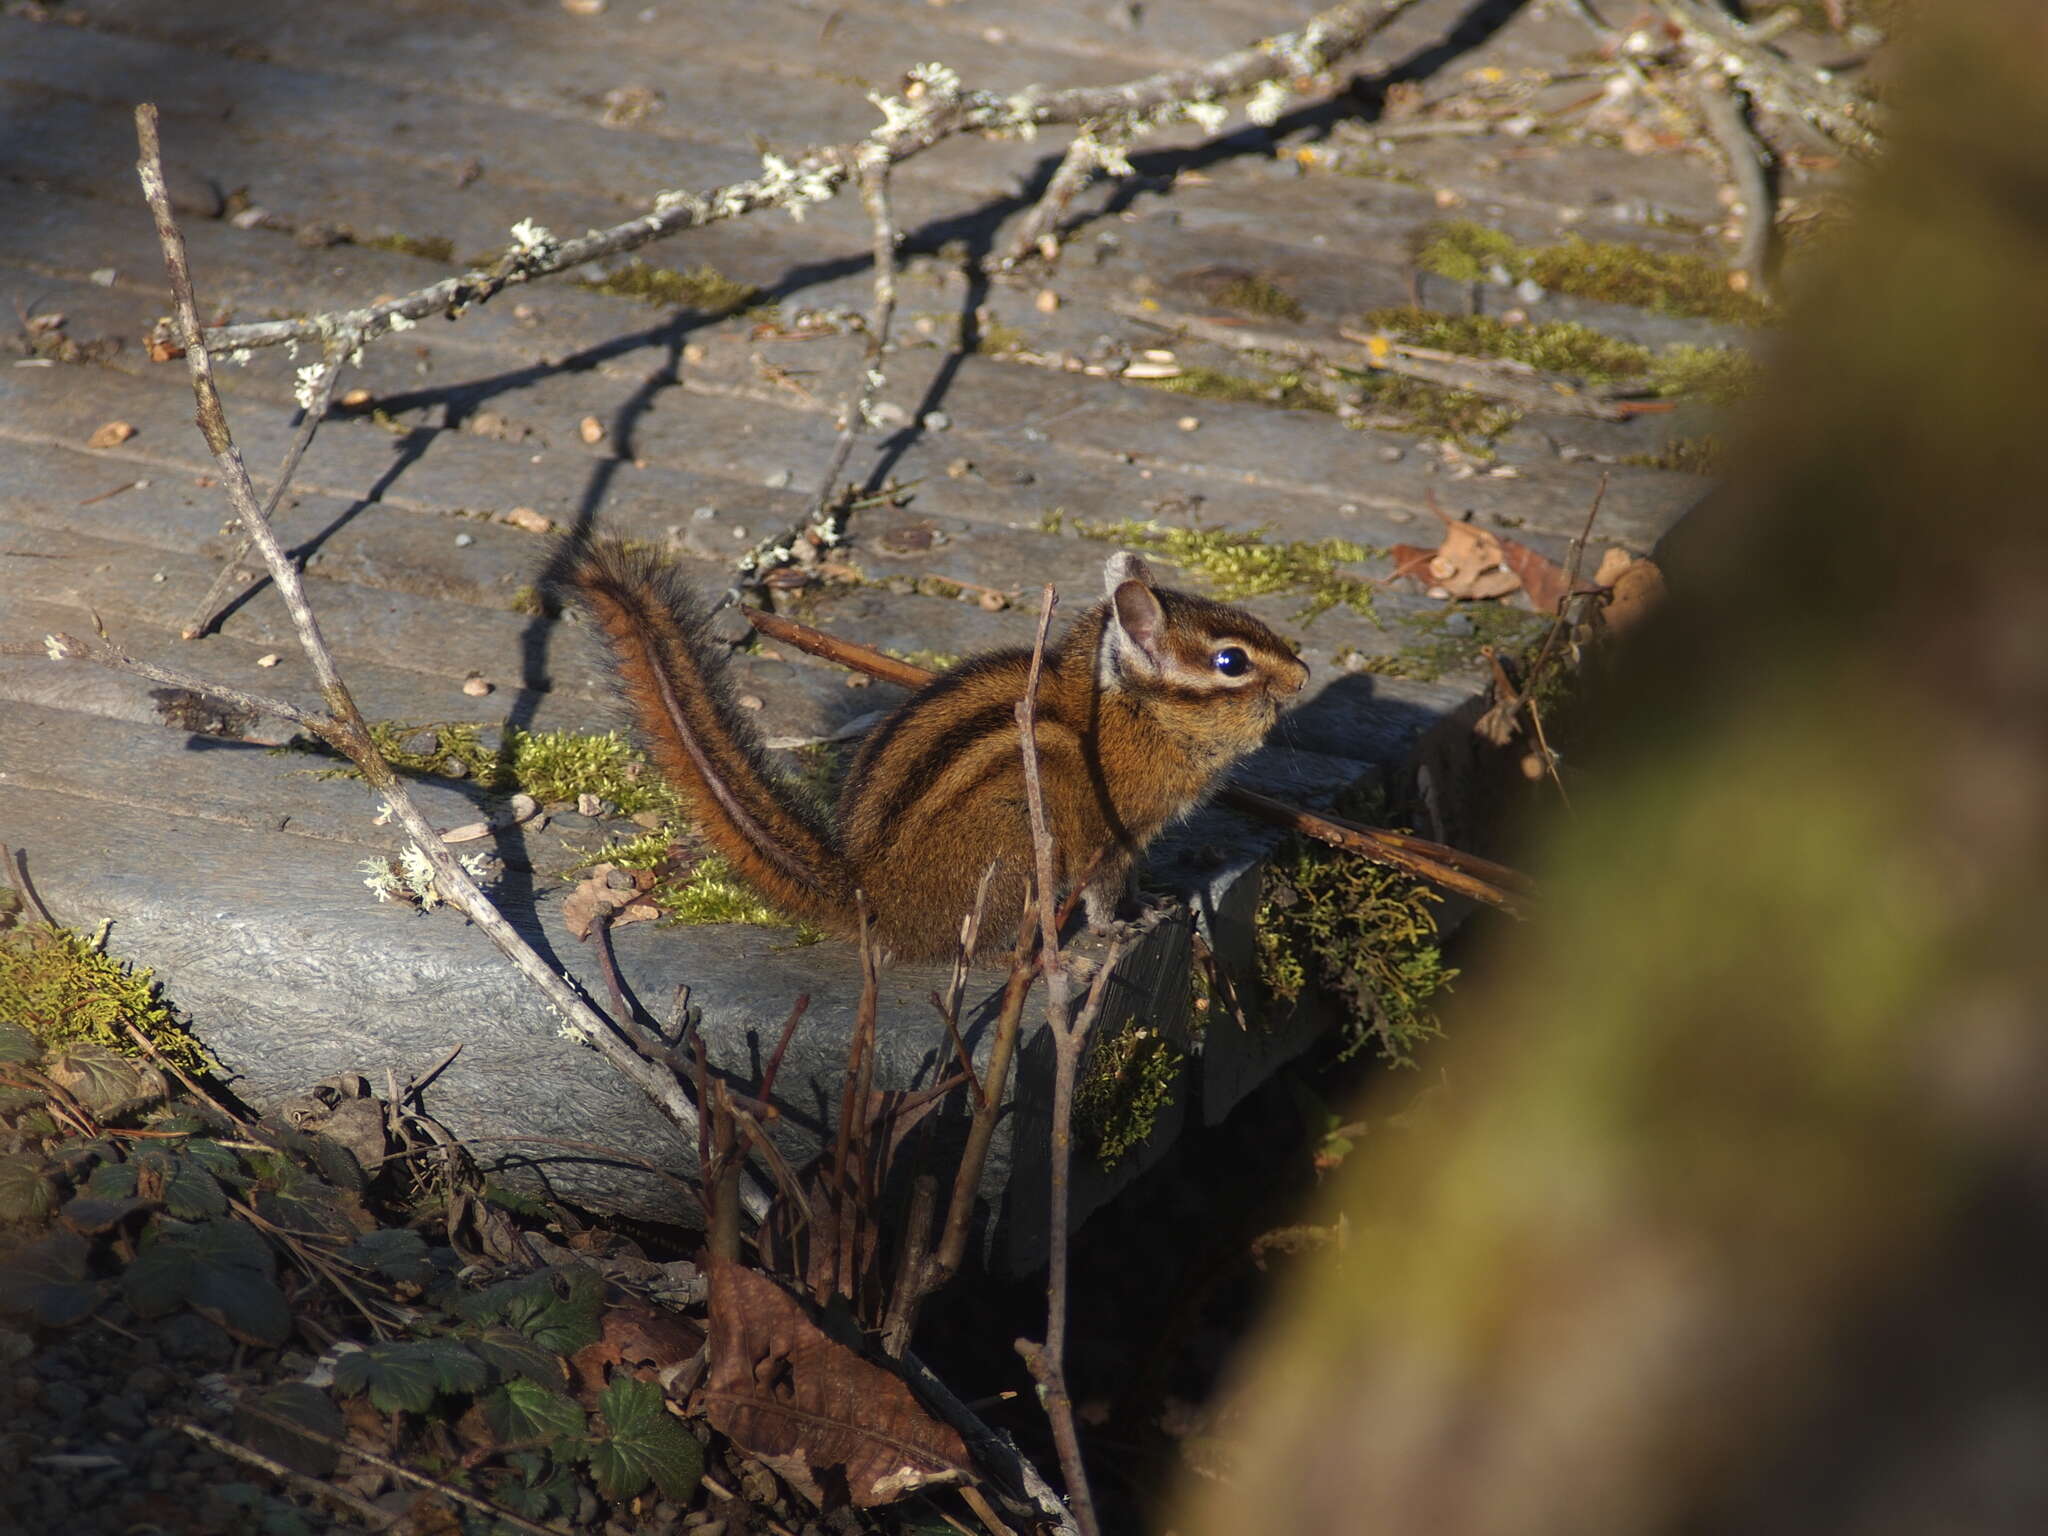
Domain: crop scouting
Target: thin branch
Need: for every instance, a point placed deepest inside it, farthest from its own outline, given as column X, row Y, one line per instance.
column 344, row 727
column 291, row 1477
column 817, row 174
column 217, row 598
column 1773, row 80
column 826, row 524
column 1098, row 146
column 14, row 870
column 1723, row 111
column 1463, row 873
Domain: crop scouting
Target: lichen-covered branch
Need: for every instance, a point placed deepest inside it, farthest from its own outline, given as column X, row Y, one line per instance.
column 912, row 124
column 1774, row 81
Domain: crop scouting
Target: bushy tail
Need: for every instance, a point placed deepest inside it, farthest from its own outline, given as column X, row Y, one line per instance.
column 672, row 675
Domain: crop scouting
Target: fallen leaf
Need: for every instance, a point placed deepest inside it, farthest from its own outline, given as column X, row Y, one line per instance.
column 1470, row 563
column 1541, row 577
column 804, row 1405
column 530, row 520
column 596, row 896
column 1612, row 564
column 110, row 435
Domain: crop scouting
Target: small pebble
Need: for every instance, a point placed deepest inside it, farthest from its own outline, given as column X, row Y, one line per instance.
column 1458, row 624
column 591, row 430
column 1189, row 423
column 704, row 514
column 1529, row 291
column 778, row 480
column 1046, row 302
column 739, row 530
column 103, row 277
column 529, row 519
column 475, row 687
column 937, row 421
column 1391, row 454
column 464, row 540
column 158, row 576
column 751, row 701
column 693, row 352
column 270, row 660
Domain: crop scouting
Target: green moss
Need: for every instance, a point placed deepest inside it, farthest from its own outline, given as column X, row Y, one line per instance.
column 1556, row 346
column 528, row 600
column 1436, row 650
column 64, row 992
column 1720, row 374
column 427, row 247
column 995, row 340
column 702, row 288
column 1666, row 282
column 1240, row 564
column 1254, row 295
column 1288, row 388
column 714, row 894
column 1360, row 933
column 1129, row 1079
column 648, row 850
column 1687, row 455
column 1455, row 415
column 554, row 767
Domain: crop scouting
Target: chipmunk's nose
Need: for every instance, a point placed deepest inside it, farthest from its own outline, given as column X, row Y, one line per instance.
column 1300, row 679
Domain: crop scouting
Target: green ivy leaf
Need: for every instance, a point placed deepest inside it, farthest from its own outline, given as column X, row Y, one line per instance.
column 108, row 1084
column 299, row 1406
column 112, row 1181
column 523, row 1412
column 221, row 1269
column 26, row 1193
column 217, row 1160
column 16, row 1043
column 511, row 1353
column 396, row 1253
column 645, row 1445
column 404, row 1377
column 556, row 1308
column 46, row 1281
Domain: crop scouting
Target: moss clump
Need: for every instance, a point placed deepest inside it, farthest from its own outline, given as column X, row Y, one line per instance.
column 427, row 247
column 1241, row 564
column 1666, row 282
column 528, row 600
column 65, row 992
column 702, row 288
column 1250, row 294
column 1437, row 650
column 1722, row 375
column 1556, row 346
column 555, row 767
column 1129, row 1079
column 1687, row 455
column 1288, row 388
column 1357, row 932
column 1455, row 415
column 994, row 340
column 712, row 893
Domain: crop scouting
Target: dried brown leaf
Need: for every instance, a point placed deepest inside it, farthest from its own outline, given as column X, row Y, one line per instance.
column 809, row 1407
column 110, row 435
column 596, row 896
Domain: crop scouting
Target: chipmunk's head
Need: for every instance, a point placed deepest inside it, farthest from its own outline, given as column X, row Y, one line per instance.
column 1204, row 664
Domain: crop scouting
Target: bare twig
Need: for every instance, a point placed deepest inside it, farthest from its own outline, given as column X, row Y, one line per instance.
column 291, row 1477
column 65, row 647
column 217, row 598
column 1774, row 81
column 384, row 1463
column 14, row 870
column 1512, row 384
column 1048, row 1361
column 1098, row 146
column 942, row 110
column 1455, row 871
column 1723, row 111
column 826, row 524
column 344, row 727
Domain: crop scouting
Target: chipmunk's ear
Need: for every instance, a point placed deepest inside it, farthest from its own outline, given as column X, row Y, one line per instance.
column 1121, row 567
column 1136, row 623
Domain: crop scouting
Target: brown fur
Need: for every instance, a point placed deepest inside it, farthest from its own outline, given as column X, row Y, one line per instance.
column 936, row 793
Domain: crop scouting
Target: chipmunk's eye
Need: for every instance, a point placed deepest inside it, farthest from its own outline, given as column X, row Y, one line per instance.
column 1231, row 661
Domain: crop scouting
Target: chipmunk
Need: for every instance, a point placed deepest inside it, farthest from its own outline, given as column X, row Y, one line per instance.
column 1143, row 703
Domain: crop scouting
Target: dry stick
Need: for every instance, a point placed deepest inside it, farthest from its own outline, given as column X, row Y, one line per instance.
column 1047, row 1362
column 395, row 1468
column 344, row 727
column 208, row 613
column 1773, row 80
column 819, row 173
column 14, row 870
column 826, row 523
column 1723, row 112
column 1463, row 873
column 1098, row 144
column 1514, row 385
column 291, row 1477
